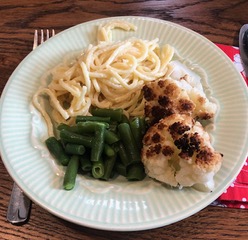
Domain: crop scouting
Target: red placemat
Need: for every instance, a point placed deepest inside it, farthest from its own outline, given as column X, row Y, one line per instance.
column 236, row 196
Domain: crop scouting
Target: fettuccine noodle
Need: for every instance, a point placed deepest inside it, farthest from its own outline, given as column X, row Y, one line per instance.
column 107, row 75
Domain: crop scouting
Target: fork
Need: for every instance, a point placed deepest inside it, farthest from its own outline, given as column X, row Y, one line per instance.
column 20, row 205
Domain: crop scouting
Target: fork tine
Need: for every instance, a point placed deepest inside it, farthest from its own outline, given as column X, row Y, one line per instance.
column 35, row 44
column 47, row 34
column 53, row 32
column 44, row 35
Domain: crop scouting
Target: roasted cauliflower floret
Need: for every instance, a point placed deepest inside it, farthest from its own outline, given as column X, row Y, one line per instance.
column 177, row 151
column 167, row 96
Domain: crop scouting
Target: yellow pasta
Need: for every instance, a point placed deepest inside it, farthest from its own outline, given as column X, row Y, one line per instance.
column 107, row 75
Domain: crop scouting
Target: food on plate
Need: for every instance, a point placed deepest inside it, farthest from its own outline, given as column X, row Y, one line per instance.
column 166, row 96
column 110, row 74
column 177, row 151
column 102, row 146
column 97, row 107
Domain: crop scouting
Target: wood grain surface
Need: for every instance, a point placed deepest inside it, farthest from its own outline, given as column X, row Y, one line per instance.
column 218, row 20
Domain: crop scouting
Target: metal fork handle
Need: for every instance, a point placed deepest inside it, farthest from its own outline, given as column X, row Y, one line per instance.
column 19, row 206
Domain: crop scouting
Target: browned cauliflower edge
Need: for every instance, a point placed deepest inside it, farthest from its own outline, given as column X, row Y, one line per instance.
column 177, row 151
column 166, row 96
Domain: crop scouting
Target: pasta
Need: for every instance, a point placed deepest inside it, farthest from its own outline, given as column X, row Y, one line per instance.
column 107, row 75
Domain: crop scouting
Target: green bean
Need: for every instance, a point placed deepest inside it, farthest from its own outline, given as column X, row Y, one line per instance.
column 63, row 126
column 124, row 119
column 129, row 143
column 67, row 127
column 123, row 154
column 63, row 143
column 93, row 119
column 120, row 169
column 112, row 127
column 115, row 146
column 114, row 114
column 98, row 169
column 75, row 138
column 136, row 172
column 108, row 150
column 55, row 147
column 136, row 131
column 143, row 127
column 108, row 167
column 72, row 148
column 89, row 127
column 71, row 173
column 85, row 163
column 98, row 143
column 111, row 137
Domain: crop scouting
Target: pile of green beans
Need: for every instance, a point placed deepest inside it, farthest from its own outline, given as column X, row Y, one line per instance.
column 103, row 145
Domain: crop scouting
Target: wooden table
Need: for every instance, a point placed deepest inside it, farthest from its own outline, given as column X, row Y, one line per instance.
column 219, row 21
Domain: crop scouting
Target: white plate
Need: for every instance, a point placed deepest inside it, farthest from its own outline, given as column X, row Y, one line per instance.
column 120, row 206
